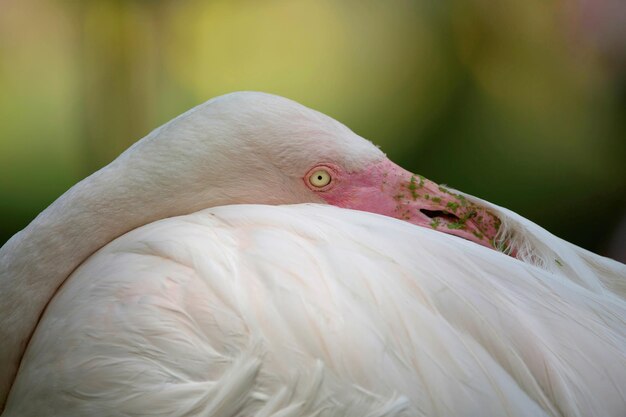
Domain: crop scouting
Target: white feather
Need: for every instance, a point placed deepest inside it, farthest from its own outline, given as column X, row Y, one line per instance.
column 311, row 310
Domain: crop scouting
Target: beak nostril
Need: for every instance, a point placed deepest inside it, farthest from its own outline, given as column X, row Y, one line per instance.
column 431, row 214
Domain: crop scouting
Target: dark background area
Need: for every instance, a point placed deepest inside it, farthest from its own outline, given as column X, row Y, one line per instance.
column 522, row 103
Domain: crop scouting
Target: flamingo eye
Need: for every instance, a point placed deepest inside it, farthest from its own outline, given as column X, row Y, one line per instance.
column 320, row 178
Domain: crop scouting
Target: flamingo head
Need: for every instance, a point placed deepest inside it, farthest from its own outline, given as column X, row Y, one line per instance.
column 260, row 148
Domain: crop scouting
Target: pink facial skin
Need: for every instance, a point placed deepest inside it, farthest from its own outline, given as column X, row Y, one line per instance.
column 387, row 189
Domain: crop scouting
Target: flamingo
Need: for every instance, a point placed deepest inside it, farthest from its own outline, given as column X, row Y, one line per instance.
column 256, row 257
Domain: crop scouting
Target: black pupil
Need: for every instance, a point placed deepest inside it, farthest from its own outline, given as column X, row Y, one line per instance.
column 319, row 177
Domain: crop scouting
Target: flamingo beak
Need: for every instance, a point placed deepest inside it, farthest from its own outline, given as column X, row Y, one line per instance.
column 386, row 188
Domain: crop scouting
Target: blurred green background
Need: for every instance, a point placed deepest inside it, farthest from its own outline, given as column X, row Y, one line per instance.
column 520, row 102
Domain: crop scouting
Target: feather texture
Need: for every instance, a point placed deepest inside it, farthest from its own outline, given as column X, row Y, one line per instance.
column 312, row 310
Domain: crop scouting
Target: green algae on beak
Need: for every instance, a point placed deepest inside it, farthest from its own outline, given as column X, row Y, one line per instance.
column 387, row 189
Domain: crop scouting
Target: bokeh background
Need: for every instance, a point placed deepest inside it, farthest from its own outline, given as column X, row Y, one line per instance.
column 520, row 102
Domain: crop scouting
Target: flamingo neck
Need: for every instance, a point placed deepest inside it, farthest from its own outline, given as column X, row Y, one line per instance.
column 35, row 262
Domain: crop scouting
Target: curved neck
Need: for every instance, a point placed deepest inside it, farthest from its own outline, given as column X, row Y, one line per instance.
column 156, row 178
column 35, row 262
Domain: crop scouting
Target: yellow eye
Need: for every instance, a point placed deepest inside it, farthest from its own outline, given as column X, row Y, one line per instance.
column 320, row 178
